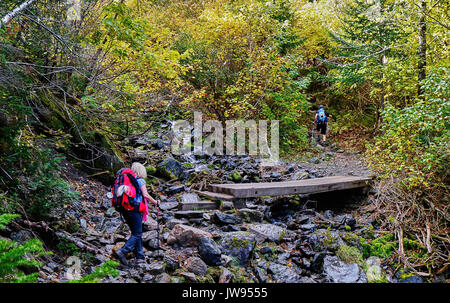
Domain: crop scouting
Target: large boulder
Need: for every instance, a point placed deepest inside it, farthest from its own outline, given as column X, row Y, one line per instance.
column 170, row 168
column 337, row 271
column 238, row 244
column 210, row 252
column 185, row 235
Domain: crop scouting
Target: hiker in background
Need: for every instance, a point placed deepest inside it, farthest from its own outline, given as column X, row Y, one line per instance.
column 321, row 120
column 136, row 216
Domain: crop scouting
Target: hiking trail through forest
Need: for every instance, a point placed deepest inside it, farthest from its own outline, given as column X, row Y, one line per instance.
column 284, row 239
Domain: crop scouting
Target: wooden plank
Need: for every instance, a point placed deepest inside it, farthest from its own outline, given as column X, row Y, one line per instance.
column 215, row 196
column 308, row 186
column 197, row 205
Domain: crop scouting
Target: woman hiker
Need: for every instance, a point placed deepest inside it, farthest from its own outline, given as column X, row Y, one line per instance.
column 134, row 218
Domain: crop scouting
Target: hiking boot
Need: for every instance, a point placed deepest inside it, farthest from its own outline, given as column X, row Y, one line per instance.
column 121, row 257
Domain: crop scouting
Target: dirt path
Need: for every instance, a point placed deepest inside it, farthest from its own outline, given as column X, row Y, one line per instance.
column 339, row 164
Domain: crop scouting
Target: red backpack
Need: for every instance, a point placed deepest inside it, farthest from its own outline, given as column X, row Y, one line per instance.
column 125, row 176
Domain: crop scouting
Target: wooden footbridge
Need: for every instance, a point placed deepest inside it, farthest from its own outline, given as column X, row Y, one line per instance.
column 239, row 192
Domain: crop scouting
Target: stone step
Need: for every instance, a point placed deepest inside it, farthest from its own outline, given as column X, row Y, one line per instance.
column 215, row 196
column 197, row 205
column 189, row 214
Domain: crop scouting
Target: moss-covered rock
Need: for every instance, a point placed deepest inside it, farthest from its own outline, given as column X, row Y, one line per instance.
column 238, row 244
column 235, row 176
column 350, row 254
column 170, row 169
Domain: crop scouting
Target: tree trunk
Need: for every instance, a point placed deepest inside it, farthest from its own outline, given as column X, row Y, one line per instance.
column 5, row 20
column 422, row 49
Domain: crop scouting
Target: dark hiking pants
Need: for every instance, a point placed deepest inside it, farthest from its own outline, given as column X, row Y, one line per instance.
column 134, row 243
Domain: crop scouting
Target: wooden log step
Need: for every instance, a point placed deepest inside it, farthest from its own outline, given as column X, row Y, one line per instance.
column 197, row 205
column 215, row 196
column 308, row 186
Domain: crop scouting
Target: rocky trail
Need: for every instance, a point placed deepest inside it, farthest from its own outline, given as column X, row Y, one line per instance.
column 304, row 238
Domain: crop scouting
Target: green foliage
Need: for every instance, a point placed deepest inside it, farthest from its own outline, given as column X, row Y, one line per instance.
column 15, row 257
column 66, row 247
column 414, row 143
column 5, row 219
column 381, row 247
column 107, row 269
column 40, row 183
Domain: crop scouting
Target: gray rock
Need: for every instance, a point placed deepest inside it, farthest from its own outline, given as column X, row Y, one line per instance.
column 171, row 263
column 346, row 220
column 190, row 276
column 301, row 175
column 314, row 160
column 226, row 205
column 308, row 227
column 328, row 214
column 21, row 236
column 225, row 260
column 239, row 244
column 226, row 276
column 110, row 212
column 284, row 274
column 316, row 264
column 265, row 232
column 374, row 272
column 157, row 143
column 112, row 225
column 209, row 252
column 150, row 224
column 260, row 274
column 83, row 223
column 168, row 205
column 171, row 224
column 186, row 235
column 176, row 189
column 196, row 266
column 146, row 236
column 163, row 278
column 412, row 279
column 284, row 258
column 266, row 250
column 250, row 215
column 222, row 218
column 323, row 239
column 156, row 268
column 139, row 154
column 337, row 271
column 140, row 140
column 170, row 168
